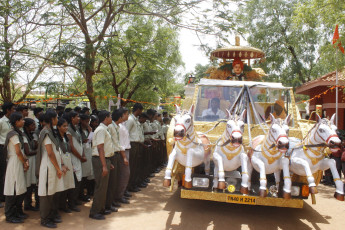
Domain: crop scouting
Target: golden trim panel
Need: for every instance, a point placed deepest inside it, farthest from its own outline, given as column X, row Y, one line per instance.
column 222, row 197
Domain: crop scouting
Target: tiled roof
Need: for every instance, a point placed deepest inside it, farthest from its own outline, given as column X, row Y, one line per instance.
column 328, row 79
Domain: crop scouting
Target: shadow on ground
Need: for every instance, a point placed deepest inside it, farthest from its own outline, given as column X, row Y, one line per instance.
column 199, row 214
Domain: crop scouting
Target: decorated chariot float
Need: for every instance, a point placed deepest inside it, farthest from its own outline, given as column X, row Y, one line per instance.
column 238, row 139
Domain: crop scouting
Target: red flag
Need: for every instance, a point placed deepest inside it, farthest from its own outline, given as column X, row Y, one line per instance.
column 336, row 38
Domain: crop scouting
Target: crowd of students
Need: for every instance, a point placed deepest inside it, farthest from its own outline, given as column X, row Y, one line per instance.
column 63, row 157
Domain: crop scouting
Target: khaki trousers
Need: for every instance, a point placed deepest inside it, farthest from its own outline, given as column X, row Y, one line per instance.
column 123, row 175
column 101, row 186
column 113, row 181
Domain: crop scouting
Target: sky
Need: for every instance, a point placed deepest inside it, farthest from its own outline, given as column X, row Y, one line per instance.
column 190, row 50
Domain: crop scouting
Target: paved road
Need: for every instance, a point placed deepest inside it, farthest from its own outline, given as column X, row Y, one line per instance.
column 156, row 208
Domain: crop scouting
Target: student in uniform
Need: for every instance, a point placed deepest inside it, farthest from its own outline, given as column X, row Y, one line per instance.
column 85, row 110
column 154, row 138
column 37, row 113
column 123, row 167
column 94, row 122
column 59, row 110
column 5, row 127
column 17, row 164
column 102, row 151
column 24, row 110
column 133, row 128
column 147, row 150
column 148, row 133
column 165, row 127
column 76, row 144
column 114, row 175
column 66, row 199
column 160, row 136
column 30, row 149
column 87, row 172
column 50, row 169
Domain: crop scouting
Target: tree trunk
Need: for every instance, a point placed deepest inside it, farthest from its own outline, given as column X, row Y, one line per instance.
column 6, row 83
column 90, row 56
column 89, row 88
column 298, row 63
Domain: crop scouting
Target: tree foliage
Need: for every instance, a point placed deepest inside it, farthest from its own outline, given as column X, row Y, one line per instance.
column 144, row 54
column 22, row 40
column 93, row 23
column 323, row 15
column 291, row 49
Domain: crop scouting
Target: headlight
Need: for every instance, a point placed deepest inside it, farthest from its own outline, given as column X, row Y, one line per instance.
column 295, row 190
column 201, row 182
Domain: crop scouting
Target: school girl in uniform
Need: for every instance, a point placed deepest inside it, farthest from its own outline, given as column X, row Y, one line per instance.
column 87, row 171
column 68, row 178
column 51, row 171
column 30, row 150
column 17, row 164
column 76, row 144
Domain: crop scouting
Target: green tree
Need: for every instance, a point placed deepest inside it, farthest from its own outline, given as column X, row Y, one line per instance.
column 292, row 49
column 22, row 40
column 144, row 55
column 97, row 21
column 323, row 15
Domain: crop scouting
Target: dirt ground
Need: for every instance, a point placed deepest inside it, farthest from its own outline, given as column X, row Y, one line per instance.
column 156, row 208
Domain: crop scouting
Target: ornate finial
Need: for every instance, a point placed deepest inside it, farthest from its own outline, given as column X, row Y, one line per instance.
column 237, row 40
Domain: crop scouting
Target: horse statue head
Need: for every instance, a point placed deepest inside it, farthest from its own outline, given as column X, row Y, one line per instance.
column 235, row 128
column 325, row 133
column 279, row 131
column 183, row 122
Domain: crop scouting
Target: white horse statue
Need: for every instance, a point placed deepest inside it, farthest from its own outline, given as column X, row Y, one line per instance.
column 309, row 157
column 190, row 149
column 269, row 155
column 229, row 154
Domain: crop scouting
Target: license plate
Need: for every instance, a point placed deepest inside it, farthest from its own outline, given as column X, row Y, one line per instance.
column 238, row 199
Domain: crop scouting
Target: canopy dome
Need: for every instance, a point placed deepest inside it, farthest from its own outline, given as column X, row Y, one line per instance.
column 237, row 52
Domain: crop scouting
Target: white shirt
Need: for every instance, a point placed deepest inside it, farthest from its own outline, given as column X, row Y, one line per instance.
column 114, row 131
column 124, row 137
column 102, row 136
column 142, row 136
column 5, row 127
column 209, row 112
column 165, row 129
column 37, row 122
column 78, row 145
column 159, row 134
column 147, row 128
column 133, row 128
column 15, row 176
